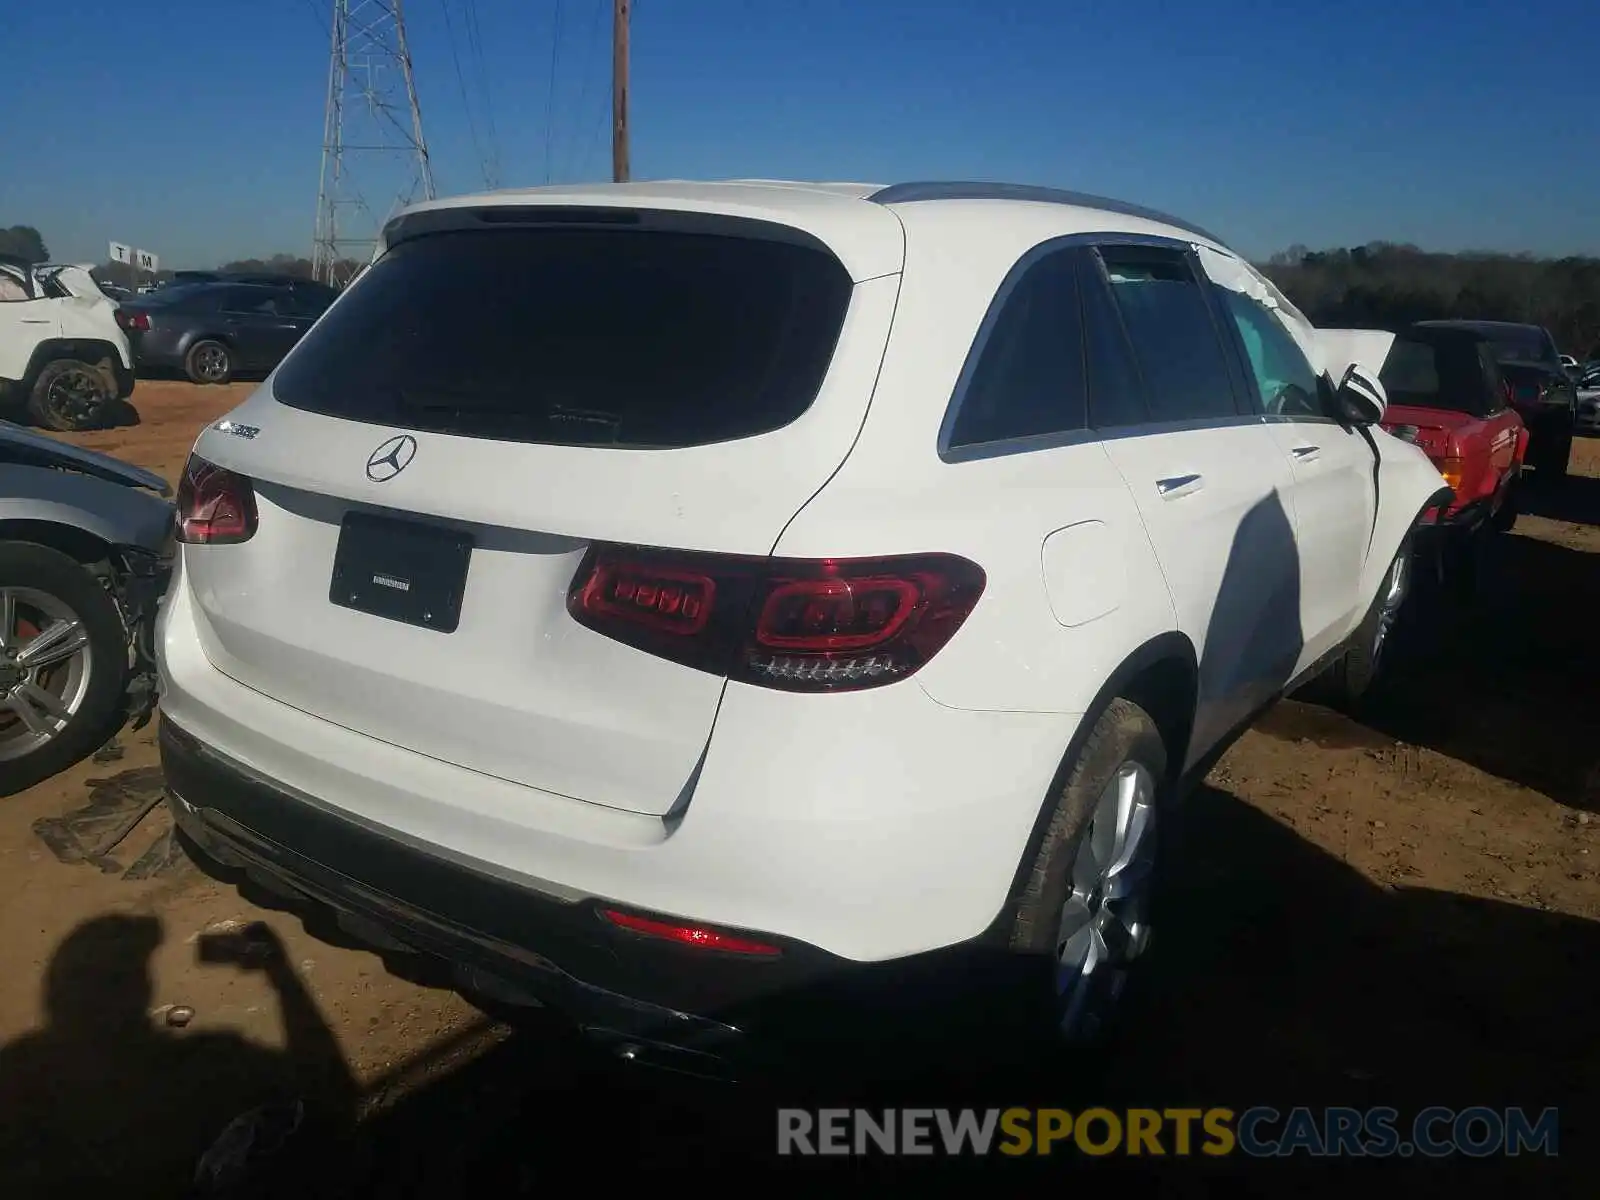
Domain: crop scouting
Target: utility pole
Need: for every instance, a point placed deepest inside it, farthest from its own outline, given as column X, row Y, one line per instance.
column 373, row 122
column 619, row 90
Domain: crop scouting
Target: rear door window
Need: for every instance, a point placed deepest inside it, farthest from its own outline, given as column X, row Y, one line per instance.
column 597, row 337
column 1174, row 336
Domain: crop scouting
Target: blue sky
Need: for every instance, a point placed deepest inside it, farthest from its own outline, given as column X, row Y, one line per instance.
column 192, row 127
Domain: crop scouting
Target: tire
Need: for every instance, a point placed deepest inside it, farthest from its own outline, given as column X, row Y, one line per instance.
column 70, row 395
column 1125, row 745
column 208, row 361
column 1348, row 682
column 42, row 584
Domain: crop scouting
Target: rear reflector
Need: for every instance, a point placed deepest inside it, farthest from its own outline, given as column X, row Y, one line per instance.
column 216, row 507
column 797, row 624
column 689, row 935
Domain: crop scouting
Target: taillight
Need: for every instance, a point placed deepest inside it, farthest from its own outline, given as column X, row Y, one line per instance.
column 701, row 936
column 216, row 507
column 807, row 625
column 1451, row 469
column 137, row 322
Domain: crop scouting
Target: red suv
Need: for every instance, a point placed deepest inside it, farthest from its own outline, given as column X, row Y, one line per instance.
column 1447, row 395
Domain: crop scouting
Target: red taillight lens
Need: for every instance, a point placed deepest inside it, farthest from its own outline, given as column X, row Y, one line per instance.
column 653, row 596
column 216, row 507
column 137, row 322
column 800, row 625
column 689, row 935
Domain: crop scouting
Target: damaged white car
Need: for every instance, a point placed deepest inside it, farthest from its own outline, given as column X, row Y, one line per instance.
column 63, row 359
column 85, row 544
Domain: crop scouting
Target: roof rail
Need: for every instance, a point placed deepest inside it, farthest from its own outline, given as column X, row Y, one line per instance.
column 909, row 193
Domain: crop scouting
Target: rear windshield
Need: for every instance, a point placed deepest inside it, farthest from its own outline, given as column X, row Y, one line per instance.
column 580, row 337
column 1532, row 347
column 1456, row 374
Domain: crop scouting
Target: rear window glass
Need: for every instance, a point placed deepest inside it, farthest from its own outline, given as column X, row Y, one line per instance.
column 582, row 337
column 1449, row 374
column 1531, row 346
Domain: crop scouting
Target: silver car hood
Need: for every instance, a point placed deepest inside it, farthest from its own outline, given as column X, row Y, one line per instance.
column 24, row 446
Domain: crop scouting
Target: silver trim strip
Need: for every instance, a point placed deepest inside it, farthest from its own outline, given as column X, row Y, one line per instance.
column 913, row 193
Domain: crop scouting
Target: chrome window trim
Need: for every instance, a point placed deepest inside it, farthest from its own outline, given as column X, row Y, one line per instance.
column 917, row 192
column 1007, row 447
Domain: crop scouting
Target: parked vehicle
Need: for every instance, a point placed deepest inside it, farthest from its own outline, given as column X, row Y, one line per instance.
column 85, row 547
column 62, row 356
column 803, row 593
column 1568, row 363
column 1587, row 419
column 1542, row 392
column 1446, row 395
column 211, row 331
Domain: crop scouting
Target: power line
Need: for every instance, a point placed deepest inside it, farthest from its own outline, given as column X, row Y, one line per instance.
column 550, row 98
column 486, row 93
column 575, row 153
column 461, row 82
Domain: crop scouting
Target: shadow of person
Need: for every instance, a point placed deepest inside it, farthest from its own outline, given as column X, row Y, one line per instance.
column 103, row 1096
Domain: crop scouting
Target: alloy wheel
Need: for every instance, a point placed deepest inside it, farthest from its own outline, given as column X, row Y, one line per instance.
column 46, row 664
column 1105, row 919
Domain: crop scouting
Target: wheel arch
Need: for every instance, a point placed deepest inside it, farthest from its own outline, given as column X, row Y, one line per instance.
column 86, row 350
column 74, row 541
column 1162, row 677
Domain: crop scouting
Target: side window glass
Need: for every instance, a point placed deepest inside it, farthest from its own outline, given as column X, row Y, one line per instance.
column 249, row 303
column 1116, row 393
column 1286, row 384
column 12, row 289
column 1028, row 379
column 1175, row 339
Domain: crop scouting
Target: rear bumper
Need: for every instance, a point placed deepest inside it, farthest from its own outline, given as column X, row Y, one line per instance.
column 873, row 826
column 503, row 940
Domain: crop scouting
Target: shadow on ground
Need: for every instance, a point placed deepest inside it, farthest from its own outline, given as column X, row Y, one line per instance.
column 1281, row 977
column 1509, row 679
column 1575, row 500
column 110, row 1095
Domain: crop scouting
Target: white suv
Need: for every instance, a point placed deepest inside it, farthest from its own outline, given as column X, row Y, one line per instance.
column 63, row 358
column 652, row 598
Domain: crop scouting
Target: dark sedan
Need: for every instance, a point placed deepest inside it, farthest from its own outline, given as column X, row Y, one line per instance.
column 213, row 331
column 1541, row 390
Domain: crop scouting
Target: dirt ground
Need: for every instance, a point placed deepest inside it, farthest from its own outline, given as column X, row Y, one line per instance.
column 1405, row 911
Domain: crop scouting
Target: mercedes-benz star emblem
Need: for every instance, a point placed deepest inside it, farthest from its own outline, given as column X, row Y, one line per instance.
column 389, row 459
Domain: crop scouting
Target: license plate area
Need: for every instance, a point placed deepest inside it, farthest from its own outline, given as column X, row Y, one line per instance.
column 401, row 570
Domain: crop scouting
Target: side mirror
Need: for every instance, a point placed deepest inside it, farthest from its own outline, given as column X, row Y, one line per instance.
column 1360, row 398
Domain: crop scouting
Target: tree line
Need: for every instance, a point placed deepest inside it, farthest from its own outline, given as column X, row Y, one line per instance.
column 1384, row 285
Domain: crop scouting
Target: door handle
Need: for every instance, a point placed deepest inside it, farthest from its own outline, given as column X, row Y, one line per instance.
column 1178, row 485
column 36, row 320
column 1306, row 453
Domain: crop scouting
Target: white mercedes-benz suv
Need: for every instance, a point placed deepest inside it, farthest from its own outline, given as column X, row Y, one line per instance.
column 656, row 599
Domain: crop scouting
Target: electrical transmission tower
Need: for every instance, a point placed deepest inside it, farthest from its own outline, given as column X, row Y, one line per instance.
column 372, row 141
